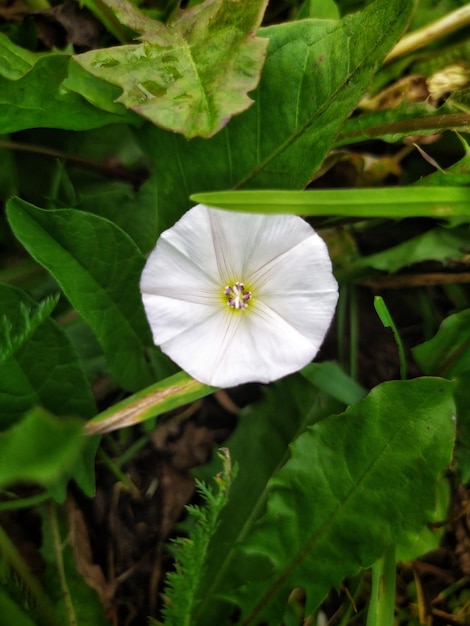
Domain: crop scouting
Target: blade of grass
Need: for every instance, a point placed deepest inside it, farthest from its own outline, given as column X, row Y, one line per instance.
column 154, row 400
column 396, row 202
column 387, row 321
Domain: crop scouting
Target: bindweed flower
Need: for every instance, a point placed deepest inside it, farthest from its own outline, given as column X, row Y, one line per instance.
column 237, row 297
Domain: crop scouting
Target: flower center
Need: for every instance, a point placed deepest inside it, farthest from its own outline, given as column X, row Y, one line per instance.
column 237, row 296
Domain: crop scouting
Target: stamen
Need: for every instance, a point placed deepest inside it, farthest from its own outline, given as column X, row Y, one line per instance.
column 237, row 297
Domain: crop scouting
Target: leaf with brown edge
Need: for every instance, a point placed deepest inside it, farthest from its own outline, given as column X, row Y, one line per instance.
column 192, row 74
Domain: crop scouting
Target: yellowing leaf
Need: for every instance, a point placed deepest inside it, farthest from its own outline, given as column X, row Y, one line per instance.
column 192, row 74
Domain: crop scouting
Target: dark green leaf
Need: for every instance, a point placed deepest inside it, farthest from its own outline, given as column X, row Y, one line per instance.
column 40, row 448
column 259, row 447
column 448, row 352
column 98, row 266
column 32, row 94
column 315, row 73
column 44, row 370
column 344, row 495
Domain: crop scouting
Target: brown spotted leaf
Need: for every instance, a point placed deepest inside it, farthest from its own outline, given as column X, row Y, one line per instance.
column 190, row 75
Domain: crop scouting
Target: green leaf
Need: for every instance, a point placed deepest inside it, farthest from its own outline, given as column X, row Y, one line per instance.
column 332, row 380
column 135, row 212
column 448, row 352
column 44, row 369
column 40, row 449
column 326, row 9
column 259, row 447
column 16, row 61
column 438, row 244
column 32, row 94
column 393, row 202
column 64, row 545
column 191, row 552
column 17, row 329
column 11, row 614
column 191, row 75
column 315, row 73
column 164, row 396
column 336, row 505
column 98, row 267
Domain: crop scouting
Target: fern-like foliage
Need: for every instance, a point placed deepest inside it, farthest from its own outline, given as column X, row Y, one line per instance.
column 15, row 332
column 182, row 584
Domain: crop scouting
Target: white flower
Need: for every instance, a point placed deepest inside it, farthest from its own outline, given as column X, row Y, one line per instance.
column 237, row 297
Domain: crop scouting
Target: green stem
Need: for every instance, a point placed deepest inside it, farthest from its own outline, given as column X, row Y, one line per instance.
column 58, row 555
column 382, row 602
column 23, row 503
column 118, row 473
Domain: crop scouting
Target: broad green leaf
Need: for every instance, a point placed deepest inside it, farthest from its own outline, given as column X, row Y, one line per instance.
column 315, row 73
column 44, row 369
column 135, row 212
column 319, row 9
column 430, row 536
column 40, row 449
column 344, row 495
column 448, row 352
column 332, row 380
column 32, row 94
column 98, row 267
column 16, row 61
column 394, row 202
column 437, row 244
column 259, row 447
column 190, row 75
column 11, row 613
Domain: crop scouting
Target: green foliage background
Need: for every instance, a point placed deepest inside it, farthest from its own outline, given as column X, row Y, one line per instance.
column 100, row 151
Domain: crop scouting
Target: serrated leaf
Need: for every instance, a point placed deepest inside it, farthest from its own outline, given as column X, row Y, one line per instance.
column 44, row 370
column 192, row 74
column 315, row 73
column 40, row 448
column 16, row 329
column 343, row 496
column 98, row 266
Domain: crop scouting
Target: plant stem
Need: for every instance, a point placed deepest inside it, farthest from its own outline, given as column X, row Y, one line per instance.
column 429, row 33
column 382, row 602
column 58, row 555
column 23, row 503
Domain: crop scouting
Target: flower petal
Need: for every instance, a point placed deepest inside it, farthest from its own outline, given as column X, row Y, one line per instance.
column 300, row 287
column 169, row 272
column 205, row 351
column 283, row 262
